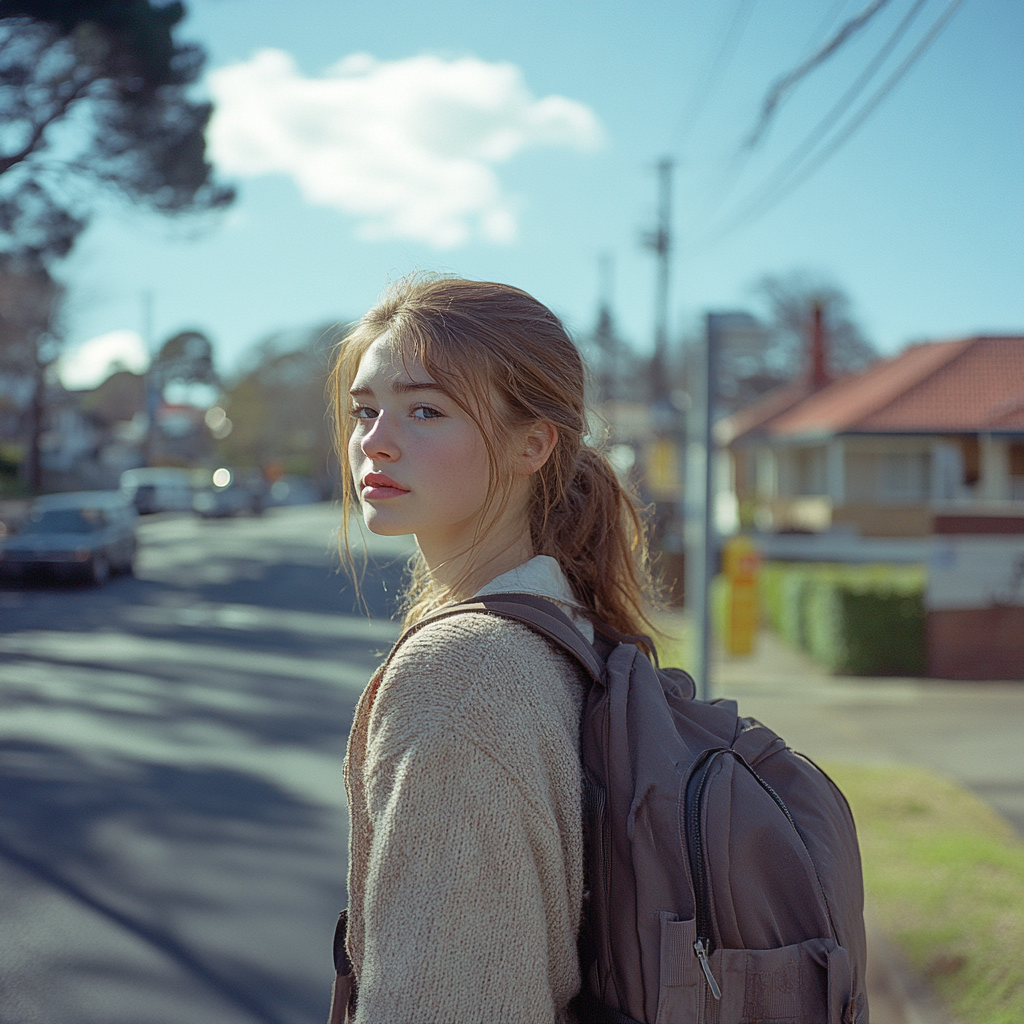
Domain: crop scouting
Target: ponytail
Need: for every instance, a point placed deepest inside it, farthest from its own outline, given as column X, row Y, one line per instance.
column 597, row 535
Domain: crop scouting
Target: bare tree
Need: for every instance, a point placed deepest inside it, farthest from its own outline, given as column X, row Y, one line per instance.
column 762, row 354
column 791, row 299
column 278, row 409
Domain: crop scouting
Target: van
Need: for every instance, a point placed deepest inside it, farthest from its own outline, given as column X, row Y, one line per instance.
column 158, row 489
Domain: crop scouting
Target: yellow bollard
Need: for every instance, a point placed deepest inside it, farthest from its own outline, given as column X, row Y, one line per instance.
column 741, row 563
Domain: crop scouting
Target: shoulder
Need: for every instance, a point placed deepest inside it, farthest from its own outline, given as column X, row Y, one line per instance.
column 450, row 666
column 457, row 651
column 475, row 639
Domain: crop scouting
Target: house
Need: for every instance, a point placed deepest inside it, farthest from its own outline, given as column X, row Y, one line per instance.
column 938, row 429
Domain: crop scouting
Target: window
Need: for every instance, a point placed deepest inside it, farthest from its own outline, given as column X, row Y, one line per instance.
column 971, row 449
column 1016, row 459
column 861, row 478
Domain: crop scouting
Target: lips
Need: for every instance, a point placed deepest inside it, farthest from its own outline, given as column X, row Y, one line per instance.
column 377, row 486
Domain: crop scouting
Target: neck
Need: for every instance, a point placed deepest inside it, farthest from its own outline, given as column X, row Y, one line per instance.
column 465, row 571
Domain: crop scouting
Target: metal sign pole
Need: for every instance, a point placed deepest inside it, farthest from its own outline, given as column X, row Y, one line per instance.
column 700, row 525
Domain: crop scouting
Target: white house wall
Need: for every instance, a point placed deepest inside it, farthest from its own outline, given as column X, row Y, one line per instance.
column 975, row 572
column 994, row 484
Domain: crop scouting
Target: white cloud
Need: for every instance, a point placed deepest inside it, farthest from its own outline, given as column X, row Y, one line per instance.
column 407, row 146
column 93, row 361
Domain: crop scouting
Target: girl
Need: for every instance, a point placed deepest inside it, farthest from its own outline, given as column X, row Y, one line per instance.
column 460, row 408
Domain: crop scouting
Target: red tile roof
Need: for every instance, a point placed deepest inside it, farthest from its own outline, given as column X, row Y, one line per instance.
column 965, row 386
column 767, row 408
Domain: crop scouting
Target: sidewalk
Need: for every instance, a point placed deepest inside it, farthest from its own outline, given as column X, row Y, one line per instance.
column 971, row 731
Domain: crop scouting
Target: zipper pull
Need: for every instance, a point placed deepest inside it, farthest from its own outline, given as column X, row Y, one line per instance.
column 701, row 947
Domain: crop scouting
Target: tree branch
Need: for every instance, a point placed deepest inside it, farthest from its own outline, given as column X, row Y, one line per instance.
column 36, row 138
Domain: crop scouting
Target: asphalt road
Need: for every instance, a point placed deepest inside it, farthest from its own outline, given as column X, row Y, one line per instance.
column 172, row 813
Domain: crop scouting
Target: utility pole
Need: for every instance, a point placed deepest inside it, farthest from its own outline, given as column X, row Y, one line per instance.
column 152, row 390
column 700, row 502
column 604, row 334
column 701, row 527
column 660, row 242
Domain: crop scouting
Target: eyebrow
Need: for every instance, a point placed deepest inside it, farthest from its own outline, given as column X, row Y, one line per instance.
column 402, row 387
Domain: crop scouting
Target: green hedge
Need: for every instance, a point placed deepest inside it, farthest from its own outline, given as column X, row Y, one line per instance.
column 857, row 620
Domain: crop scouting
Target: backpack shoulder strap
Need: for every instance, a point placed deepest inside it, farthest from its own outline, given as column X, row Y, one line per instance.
column 541, row 615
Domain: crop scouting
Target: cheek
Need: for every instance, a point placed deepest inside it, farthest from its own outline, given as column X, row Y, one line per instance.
column 355, row 453
column 461, row 469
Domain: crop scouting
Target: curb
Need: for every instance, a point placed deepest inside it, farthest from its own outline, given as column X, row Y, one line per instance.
column 896, row 993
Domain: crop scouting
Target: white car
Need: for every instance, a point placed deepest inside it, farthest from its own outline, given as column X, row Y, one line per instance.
column 158, row 489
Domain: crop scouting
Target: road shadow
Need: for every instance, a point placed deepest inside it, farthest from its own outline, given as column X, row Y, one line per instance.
column 59, row 809
column 252, row 709
column 175, row 784
column 286, row 585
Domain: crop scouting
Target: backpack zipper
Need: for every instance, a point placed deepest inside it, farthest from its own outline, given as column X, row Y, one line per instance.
column 702, row 957
column 704, row 946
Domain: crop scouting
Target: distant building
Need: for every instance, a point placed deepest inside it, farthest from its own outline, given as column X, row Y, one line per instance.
column 92, row 437
column 938, row 429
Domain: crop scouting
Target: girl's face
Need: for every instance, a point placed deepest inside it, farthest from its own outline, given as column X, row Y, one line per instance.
column 418, row 461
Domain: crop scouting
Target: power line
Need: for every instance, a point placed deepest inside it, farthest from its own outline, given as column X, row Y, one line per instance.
column 727, row 178
column 825, row 24
column 660, row 242
column 767, row 201
column 887, row 88
column 705, row 86
column 791, row 164
column 778, row 92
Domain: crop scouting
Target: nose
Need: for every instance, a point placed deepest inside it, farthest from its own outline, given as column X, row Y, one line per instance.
column 378, row 442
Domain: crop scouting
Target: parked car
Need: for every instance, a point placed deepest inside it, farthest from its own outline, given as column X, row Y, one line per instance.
column 89, row 534
column 158, row 489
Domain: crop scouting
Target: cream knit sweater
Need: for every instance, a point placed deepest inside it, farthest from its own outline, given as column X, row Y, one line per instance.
column 466, row 841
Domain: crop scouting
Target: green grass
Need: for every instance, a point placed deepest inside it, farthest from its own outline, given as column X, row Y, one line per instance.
column 945, row 878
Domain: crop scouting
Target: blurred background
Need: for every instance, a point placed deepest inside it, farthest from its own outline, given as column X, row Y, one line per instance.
column 786, row 234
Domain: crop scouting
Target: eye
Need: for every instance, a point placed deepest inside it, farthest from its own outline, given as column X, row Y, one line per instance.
column 363, row 412
column 426, row 412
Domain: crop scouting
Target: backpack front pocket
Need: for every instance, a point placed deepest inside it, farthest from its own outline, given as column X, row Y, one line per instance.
column 806, row 983
column 809, row 983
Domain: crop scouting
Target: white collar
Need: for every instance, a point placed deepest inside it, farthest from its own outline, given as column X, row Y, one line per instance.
column 542, row 576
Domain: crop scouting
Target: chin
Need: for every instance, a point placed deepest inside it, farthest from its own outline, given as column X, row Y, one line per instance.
column 379, row 525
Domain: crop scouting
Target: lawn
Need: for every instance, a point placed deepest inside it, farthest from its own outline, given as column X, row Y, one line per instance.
column 944, row 875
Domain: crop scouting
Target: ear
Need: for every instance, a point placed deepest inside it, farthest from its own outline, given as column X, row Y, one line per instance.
column 538, row 443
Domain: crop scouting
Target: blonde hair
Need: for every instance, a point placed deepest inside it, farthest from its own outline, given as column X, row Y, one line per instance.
column 508, row 362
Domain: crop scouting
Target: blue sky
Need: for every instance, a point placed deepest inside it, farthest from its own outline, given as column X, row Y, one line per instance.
column 920, row 215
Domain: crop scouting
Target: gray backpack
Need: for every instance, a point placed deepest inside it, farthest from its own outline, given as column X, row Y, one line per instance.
column 723, row 869
column 723, row 872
